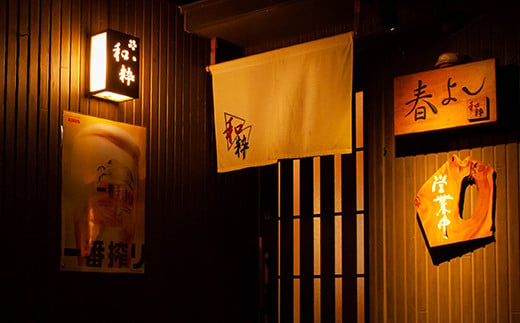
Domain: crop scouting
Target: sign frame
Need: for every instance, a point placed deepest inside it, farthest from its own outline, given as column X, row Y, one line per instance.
column 452, row 97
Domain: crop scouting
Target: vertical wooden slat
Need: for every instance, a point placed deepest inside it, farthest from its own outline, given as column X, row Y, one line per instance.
column 296, row 253
column 362, row 315
column 479, row 279
column 490, row 287
column 20, row 187
column 137, row 104
column 460, row 268
column 327, row 238
column 127, row 23
column 296, row 298
column 317, row 287
column 146, row 45
column 152, row 110
column 22, row 220
column 306, row 243
column 338, row 289
column 207, row 107
column 443, row 273
column 377, row 234
column 316, row 239
column 84, row 59
column 106, row 109
column 43, row 125
column 95, row 27
column 178, row 131
column 187, row 51
column 10, row 98
column 410, row 273
column 399, row 246
column 170, row 103
column 35, row 277
column 154, row 125
column 456, row 277
column 269, row 228
column 350, row 239
column 32, row 116
column 501, row 236
column 3, row 106
column 114, row 7
column 286, row 242
column 467, row 289
column 432, row 272
column 53, row 135
column 196, row 112
column 9, row 128
column 75, row 45
column 337, row 191
column 513, row 264
column 65, row 56
column 100, row 22
column 190, row 113
column 161, row 99
column 422, row 256
column 390, row 241
column 3, row 76
column 296, row 225
column 9, row 133
column 115, row 11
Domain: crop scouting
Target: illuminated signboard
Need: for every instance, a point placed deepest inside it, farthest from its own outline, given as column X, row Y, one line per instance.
column 451, row 97
column 439, row 202
column 114, row 66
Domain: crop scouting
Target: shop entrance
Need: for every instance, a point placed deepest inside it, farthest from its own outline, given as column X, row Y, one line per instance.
column 312, row 236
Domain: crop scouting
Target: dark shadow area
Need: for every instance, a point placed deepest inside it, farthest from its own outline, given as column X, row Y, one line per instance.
column 505, row 130
column 226, row 51
column 447, row 252
column 466, row 182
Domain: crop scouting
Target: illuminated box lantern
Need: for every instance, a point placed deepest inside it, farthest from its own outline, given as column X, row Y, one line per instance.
column 114, row 66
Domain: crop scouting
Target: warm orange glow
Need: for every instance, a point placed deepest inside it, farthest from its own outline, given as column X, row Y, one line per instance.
column 317, row 245
column 317, row 300
column 98, row 62
column 360, row 182
column 296, row 300
column 316, row 185
column 360, row 251
column 112, row 96
column 339, row 299
column 296, row 187
column 338, row 238
column 361, row 299
column 296, row 246
column 337, row 183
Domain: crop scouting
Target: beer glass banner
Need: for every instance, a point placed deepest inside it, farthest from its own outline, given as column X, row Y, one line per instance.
column 457, row 96
column 103, row 195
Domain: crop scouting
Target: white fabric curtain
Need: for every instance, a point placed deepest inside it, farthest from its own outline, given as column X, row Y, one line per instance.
column 292, row 102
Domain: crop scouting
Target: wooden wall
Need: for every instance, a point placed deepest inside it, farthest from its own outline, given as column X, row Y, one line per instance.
column 201, row 249
column 200, row 256
column 479, row 284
